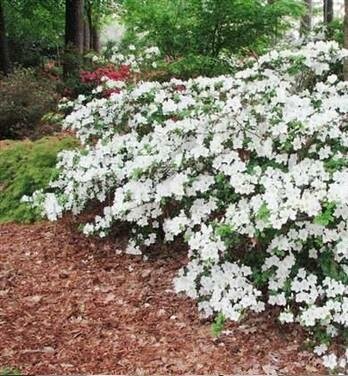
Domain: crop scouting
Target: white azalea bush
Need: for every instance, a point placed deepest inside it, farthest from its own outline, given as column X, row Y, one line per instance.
column 250, row 170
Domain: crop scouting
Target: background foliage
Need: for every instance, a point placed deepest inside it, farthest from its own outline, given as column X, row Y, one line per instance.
column 35, row 29
column 25, row 97
column 206, row 27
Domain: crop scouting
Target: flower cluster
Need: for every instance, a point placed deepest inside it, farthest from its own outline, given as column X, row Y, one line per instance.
column 107, row 76
column 251, row 171
column 136, row 57
column 109, row 72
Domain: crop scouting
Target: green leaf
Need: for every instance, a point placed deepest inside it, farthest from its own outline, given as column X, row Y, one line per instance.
column 218, row 325
column 264, row 213
column 326, row 216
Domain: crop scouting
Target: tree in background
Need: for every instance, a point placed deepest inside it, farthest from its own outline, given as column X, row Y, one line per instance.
column 208, row 27
column 97, row 13
column 5, row 65
column 306, row 21
column 87, row 24
column 83, row 21
column 328, row 11
column 74, row 28
column 74, row 37
column 35, row 30
column 92, row 25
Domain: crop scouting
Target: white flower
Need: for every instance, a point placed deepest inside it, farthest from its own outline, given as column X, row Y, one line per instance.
column 242, row 168
column 51, row 207
column 332, row 79
column 330, row 361
column 286, row 317
column 321, row 349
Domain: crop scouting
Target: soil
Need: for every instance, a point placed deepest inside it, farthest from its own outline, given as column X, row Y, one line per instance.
column 69, row 305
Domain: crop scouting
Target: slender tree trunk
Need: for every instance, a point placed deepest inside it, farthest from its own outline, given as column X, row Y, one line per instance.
column 345, row 65
column 306, row 22
column 5, row 65
column 94, row 34
column 88, row 26
column 86, row 36
column 328, row 12
column 95, row 37
column 74, row 32
column 74, row 24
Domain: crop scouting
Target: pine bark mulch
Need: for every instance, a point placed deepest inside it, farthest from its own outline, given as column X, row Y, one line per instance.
column 72, row 305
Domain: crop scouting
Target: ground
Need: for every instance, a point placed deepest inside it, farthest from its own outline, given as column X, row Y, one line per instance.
column 69, row 304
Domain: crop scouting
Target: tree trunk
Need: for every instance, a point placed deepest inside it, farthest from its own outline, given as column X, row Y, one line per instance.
column 74, row 32
column 306, row 22
column 5, row 65
column 328, row 11
column 88, row 26
column 345, row 65
column 94, row 34
column 95, row 37
column 86, row 36
column 74, row 25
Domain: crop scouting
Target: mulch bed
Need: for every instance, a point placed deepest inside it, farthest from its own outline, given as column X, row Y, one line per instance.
column 72, row 305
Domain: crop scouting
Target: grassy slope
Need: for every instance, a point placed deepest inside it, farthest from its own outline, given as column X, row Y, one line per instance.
column 26, row 166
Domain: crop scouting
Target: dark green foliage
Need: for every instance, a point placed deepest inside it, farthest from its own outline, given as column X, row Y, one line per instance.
column 192, row 66
column 24, row 168
column 335, row 31
column 72, row 61
column 25, row 96
column 72, row 85
column 35, row 29
column 207, row 27
column 332, row 31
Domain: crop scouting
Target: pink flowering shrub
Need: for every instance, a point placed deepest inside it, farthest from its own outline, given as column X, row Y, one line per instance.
column 109, row 72
column 96, row 79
